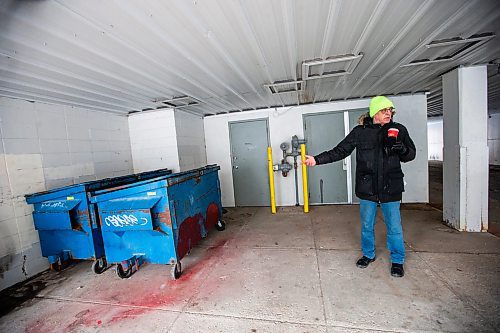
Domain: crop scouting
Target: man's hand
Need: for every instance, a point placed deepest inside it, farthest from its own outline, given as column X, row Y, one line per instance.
column 309, row 161
column 398, row 148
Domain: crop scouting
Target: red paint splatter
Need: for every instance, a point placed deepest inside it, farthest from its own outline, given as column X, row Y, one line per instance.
column 151, row 290
column 189, row 235
column 212, row 216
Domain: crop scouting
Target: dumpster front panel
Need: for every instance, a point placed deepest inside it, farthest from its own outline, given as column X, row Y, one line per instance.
column 64, row 224
column 197, row 208
column 78, row 243
column 137, row 225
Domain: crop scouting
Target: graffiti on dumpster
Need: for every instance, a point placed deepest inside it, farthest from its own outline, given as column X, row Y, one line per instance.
column 57, row 204
column 124, row 220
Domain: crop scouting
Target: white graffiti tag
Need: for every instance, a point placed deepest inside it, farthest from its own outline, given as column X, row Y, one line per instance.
column 124, row 220
column 57, row 204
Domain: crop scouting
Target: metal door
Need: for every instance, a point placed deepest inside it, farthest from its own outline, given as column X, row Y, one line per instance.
column 353, row 121
column 327, row 183
column 249, row 141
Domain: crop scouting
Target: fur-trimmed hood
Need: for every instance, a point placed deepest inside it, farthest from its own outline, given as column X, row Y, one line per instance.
column 365, row 119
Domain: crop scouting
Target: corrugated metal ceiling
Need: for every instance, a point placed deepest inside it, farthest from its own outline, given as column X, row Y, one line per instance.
column 123, row 56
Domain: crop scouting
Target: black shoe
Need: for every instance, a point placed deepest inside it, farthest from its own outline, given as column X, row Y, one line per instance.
column 397, row 270
column 363, row 262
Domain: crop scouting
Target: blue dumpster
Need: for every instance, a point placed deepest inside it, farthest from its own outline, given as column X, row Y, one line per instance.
column 67, row 224
column 158, row 221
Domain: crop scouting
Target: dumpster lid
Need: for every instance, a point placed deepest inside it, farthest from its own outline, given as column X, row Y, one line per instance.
column 94, row 185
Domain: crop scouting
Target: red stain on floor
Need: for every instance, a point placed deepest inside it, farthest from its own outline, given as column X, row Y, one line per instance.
column 143, row 292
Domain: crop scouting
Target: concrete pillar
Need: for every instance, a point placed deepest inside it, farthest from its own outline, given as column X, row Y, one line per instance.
column 465, row 167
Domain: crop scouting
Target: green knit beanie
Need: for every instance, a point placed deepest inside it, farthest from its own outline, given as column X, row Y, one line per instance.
column 378, row 103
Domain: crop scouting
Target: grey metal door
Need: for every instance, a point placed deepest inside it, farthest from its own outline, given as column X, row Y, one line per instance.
column 327, row 183
column 353, row 122
column 249, row 142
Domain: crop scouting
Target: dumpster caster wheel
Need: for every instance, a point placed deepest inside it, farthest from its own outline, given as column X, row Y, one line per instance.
column 221, row 225
column 99, row 266
column 56, row 267
column 121, row 273
column 176, row 271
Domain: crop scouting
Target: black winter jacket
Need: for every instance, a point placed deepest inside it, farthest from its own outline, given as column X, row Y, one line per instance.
column 379, row 176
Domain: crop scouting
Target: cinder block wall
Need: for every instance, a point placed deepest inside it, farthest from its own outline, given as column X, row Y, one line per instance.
column 167, row 139
column 44, row 147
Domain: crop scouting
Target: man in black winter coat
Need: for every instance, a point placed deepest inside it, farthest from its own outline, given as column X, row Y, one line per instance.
column 382, row 145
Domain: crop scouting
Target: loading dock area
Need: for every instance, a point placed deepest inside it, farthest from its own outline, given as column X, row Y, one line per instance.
column 285, row 272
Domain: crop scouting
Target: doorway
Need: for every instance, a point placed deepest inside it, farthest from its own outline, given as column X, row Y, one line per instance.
column 249, row 141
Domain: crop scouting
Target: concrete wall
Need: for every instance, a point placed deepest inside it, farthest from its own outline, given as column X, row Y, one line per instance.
column 154, row 140
column 435, row 138
column 43, row 147
column 288, row 121
column 190, row 140
column 494, row 138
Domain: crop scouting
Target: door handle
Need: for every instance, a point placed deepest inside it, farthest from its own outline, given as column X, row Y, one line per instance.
column 235, row 167
column 344, row 164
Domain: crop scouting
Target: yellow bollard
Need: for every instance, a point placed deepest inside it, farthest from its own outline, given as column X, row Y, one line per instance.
column 271, row 179
column 304, row 178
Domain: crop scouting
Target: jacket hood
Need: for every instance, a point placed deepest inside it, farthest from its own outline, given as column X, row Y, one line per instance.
column 365, row 119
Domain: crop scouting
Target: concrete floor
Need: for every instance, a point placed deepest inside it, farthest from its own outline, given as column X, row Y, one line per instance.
column 288, row 272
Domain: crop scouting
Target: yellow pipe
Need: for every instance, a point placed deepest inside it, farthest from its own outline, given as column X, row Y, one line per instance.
column 271, row 179
column 304, row 178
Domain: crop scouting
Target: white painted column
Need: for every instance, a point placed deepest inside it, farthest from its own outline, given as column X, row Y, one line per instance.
column 465, row 167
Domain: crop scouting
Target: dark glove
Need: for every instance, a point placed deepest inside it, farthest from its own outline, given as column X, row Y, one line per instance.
column 398, row 148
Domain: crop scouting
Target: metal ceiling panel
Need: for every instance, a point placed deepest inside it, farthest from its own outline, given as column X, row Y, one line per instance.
column 128, row 56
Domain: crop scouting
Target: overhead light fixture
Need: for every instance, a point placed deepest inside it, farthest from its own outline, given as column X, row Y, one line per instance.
column 177, row 102
column 287, row 86
column 469, row 44
column 459, row 40
column 308, row 66
column 317, row 69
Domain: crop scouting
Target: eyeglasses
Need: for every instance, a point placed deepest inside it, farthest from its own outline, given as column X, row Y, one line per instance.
column 387, row 110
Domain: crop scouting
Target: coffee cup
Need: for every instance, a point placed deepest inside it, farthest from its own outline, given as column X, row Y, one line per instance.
column 393, row 133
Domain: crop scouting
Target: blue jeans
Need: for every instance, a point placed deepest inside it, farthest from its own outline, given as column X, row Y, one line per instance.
column 392, row 218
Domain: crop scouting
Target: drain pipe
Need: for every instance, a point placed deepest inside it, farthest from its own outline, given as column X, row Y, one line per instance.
column 296, row 142
column 304, row 178
column 271, row 179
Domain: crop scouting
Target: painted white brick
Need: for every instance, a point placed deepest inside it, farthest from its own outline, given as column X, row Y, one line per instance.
column 21, row 208
column 51, row 184
column 54, row 146
column 81, row 158
column 69, row 171
column 80, row 146
column 120, row 145
column 23, row 164
column 21, row 146
column 105, row 167
column 9, row 245
column 6, row 211
column 100, row 146
column 78, row 133
column 18, row 122
column 24, row 161
column 9, row 227
column 56, row 159
column 28, row 238
column 51, row 124
column 99, row 134
column 101, row 157
column 25, row 223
